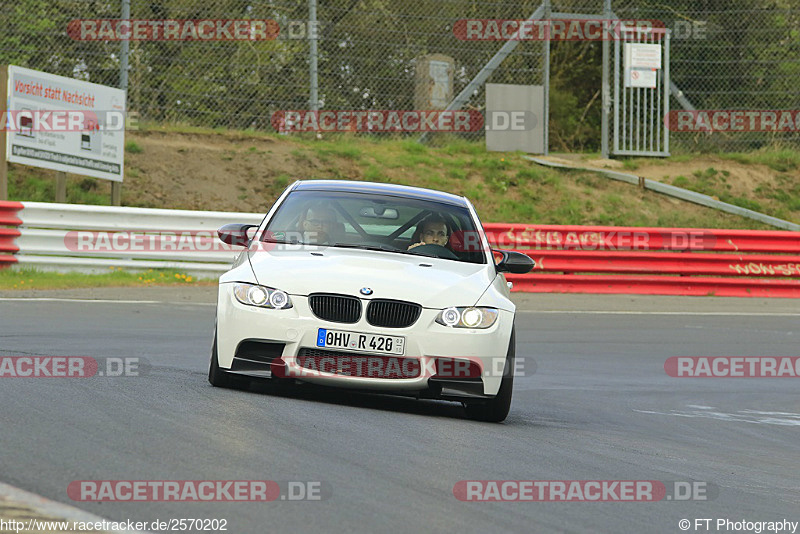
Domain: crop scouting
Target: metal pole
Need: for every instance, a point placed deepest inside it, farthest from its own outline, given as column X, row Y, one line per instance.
column 606, row 85
column 546, row 79
column 3, row 155
column 617, row 59
column 116, row 187
column 667, row 87
column 313, row 56
column 124, row 50
column 61, row 186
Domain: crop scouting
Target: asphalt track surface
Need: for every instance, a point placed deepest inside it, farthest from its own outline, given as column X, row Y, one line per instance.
column 599, row 406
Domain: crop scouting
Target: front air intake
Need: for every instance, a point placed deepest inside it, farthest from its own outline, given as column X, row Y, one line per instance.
column 335, row 308
column 392, row 313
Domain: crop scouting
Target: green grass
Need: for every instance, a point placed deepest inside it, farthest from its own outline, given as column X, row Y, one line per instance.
column 133, row 147
column 373, row 174
column 777, row 160
column 504, row 186
column 343, row 149
column 26, row 279
column 630, row 165
column 179, row 128
column 39, row 187
column 713, row 183
column 680, row 158
column 681, row 181
column 413, row 147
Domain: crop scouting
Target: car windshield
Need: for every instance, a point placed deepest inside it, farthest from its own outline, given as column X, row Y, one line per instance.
column 376, row 222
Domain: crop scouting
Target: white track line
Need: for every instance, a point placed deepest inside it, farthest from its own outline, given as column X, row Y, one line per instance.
column 612, row 312
column 101, row 301
column 551, row 312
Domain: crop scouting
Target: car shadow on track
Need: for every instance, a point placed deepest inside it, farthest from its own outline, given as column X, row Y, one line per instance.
column 360, row 399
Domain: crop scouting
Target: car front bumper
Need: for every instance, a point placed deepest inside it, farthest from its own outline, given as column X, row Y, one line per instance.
column 291, row 330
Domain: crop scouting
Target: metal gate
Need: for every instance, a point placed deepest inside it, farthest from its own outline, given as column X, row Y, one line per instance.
column 641, row 92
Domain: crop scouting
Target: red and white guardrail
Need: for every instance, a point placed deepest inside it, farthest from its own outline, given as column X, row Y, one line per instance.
column 569, row 259
column 93, row 238
column 8, row 217
column 658, row 261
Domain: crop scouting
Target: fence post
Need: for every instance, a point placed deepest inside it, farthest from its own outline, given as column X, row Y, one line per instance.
column 124, row 51
column 61, row 186
column 3, row 163
column 313, row 89
column 606, row 104
column 548, row 11
column 116, row 187
column 116, row 193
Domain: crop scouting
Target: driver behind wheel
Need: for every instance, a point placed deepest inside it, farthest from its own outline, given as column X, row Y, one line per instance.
column 318, row 225
column 432, row 230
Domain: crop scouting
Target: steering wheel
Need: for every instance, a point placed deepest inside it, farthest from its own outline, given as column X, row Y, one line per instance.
column 436, row 251
column 373, row 243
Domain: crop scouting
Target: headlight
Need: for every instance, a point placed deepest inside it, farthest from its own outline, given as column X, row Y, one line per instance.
column 263, row 297
column 468, row 317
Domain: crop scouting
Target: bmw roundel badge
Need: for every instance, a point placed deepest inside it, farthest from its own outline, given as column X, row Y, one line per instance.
column 366, row 291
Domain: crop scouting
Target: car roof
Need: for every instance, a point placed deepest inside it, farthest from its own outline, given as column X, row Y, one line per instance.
column 379, row 188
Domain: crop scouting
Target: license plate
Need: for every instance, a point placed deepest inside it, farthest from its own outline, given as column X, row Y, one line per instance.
column 356, row 341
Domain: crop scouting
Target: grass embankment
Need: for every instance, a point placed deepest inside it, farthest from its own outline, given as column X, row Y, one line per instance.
column 776, row 193
column 193, row 168
column 26, row 279
column 221, row 170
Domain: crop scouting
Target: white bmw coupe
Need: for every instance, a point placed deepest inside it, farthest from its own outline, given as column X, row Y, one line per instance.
column 370, row 286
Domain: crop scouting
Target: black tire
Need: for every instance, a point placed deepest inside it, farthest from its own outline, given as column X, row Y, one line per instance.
column 222, row 379
column 496, row 410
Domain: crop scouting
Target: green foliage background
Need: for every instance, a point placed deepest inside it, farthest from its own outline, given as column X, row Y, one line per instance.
column 749, row 58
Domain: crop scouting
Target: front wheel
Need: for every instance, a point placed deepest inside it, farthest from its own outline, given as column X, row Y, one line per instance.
column 219, row 378
column 496, row 410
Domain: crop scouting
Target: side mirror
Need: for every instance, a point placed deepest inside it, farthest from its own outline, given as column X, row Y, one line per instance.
column 514, row 262
column 235, row 234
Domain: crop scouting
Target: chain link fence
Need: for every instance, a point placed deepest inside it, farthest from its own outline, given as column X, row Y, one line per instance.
column 726, row 54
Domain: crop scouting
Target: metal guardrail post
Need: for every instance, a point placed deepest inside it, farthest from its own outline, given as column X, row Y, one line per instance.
column 606, row 89
column 3, row 163
column 61, row 186
column 116, row 193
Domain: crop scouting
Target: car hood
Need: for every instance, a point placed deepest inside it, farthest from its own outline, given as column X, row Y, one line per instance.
column 431, row 282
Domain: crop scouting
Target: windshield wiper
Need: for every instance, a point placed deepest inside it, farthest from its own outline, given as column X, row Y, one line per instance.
column 280, row 241
column 380, row 248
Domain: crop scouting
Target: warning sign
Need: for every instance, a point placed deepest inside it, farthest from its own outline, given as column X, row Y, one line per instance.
column 642, row 63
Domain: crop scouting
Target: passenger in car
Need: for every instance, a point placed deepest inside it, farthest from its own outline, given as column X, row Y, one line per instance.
column 432, row 230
